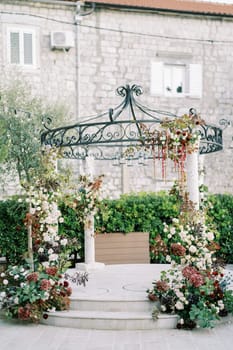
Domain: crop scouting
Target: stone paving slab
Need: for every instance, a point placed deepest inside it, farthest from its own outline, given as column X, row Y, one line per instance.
column 15, row 336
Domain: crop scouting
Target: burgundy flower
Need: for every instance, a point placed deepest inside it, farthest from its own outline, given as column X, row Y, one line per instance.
column 24, row 313
column 32, row 277
column 65, row 284
column 52, row 270
column 177, row 249
column 45, row 316
column 69, row 291
column 162, row 286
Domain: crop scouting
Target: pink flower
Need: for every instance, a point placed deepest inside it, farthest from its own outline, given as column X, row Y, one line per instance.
column 196, row 280
column 52, row 270
column 189, row 271
column 45, row 284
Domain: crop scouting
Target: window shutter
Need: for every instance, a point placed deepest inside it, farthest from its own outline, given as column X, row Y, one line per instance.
column 27, row 42
column 14, row 48
column 195, row 80
column 157, row 78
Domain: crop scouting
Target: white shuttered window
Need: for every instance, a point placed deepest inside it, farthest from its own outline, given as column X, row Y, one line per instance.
column 176, row 79
column 21, row 47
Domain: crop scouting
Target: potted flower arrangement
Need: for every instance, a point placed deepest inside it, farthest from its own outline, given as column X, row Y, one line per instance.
column 195, row 288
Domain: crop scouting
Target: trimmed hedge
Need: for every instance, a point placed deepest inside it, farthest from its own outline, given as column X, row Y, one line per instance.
column 131, row 213
column 13, row 234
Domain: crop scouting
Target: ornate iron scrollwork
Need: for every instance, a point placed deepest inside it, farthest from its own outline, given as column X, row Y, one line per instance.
column 121, row 130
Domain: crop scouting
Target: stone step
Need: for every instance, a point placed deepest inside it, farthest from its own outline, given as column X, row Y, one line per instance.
column 109, row 320
column 104, row 304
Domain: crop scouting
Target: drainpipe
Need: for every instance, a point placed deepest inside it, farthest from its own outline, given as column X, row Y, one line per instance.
column 79, row 14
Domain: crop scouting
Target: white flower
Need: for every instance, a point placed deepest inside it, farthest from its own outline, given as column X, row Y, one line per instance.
column 46, row 263
column 172, row 230
column 61, row 220
column 16, row 277
column 163, row 308
column 64, row 241
column 2, row 294
column 168, row 258
column 210, row 236
column 52, row 282
column 53, row 257
column 2, row 274
column 220, row 304
column 50, row 251
column 22, row 284
column 5, row 282
column 181, row 321
column 16, row 300
column 41, row 250
column 179, row 305
column 192, row 249
column 22, row 269
column 53, row 309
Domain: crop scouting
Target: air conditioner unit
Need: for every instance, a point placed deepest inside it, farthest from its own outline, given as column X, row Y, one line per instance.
column 62, row 40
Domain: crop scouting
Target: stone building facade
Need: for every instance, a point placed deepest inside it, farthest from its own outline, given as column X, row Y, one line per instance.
column 180, row 52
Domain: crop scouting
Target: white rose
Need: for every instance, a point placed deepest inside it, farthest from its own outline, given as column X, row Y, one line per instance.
column 210, row 236
column 46, row 263
column 64, row 241
column 3, row 274
column 5, row 282
column 163, row 308
column 179, row 305
column 192, row 249
column 41, row 250
column 50, row 251
column 53, row 257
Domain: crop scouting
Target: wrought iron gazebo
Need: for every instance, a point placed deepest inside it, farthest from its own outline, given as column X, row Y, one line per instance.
column 125, row 133
column 109, row 136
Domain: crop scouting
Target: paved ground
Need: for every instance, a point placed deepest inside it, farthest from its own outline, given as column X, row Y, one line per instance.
column 40, row 337
column 15, row 336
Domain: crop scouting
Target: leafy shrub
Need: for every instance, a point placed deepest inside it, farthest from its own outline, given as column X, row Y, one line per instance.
column 13, row 234
column 144, row 212
column 221, row 213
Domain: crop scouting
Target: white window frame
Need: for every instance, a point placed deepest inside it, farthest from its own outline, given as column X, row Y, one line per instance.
column 21, row 30
column 192, row 80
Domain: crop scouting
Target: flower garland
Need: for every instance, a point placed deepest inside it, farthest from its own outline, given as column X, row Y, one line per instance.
column 177, row 138
column 29, row 294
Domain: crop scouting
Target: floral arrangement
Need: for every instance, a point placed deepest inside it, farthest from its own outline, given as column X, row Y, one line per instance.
column 177, row 138
column 39, row 285
column 27, row 295
column 195, row 288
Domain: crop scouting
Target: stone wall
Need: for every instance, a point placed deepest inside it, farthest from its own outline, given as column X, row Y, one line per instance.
column 114, row 47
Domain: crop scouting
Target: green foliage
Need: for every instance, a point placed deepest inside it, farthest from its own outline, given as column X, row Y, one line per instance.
column 20, row 124
column 72, row 227
column 221, row 213
column 13, row 234
column 144, row 212
column 204, row 316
